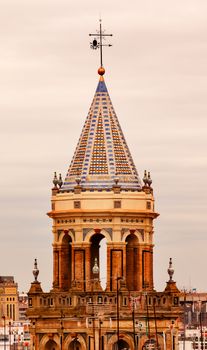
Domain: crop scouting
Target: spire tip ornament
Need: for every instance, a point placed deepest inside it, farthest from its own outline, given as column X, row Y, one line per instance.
column 97, row 43
column 101, row 71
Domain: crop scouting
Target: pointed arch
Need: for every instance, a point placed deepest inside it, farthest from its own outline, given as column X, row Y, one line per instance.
column 49, row 342
column 69, row 340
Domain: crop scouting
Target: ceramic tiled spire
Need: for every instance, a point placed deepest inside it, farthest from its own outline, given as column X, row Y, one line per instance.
column 102, row 154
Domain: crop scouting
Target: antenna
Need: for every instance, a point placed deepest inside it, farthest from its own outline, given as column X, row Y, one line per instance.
column 97, row 42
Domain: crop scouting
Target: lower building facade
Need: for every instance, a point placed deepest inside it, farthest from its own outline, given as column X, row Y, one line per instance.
column 103, row 320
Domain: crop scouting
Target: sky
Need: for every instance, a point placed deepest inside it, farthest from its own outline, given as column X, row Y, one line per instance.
column 156, row 74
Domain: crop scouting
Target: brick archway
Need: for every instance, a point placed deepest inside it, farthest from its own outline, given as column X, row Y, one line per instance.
column 69, row 342
column 69, row 233
column 49, row 342
column 123, row 337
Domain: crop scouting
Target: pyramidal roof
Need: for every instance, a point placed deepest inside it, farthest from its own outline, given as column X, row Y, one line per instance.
column 102, row 155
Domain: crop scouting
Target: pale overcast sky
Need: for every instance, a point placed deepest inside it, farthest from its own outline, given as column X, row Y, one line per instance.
column 156, row 74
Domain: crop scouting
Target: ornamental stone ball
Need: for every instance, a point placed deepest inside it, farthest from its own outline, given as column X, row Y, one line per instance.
column 101, row 71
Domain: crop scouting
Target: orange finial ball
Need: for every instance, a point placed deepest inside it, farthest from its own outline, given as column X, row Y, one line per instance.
column 101, row 71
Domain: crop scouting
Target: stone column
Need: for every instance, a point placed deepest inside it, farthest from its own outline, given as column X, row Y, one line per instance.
column 88, row 266
column 115, row 263
column 140, row 268
column 136, row 267
column 63, row 273
column 78, row 266
column 55, row 267
column 151, row 269
column 130, row 263
column 147, row 267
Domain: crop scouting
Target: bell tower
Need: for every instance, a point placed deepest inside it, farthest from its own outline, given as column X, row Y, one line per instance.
column 102, row 198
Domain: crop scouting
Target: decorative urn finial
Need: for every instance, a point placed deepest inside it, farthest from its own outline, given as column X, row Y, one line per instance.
column 170, row 270
column 60, row 181
column 149, row 180
column 55, row 180
column 35, row 271
column 145, row 179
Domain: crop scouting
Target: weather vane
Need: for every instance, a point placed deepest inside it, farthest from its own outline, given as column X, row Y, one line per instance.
column 97, row 42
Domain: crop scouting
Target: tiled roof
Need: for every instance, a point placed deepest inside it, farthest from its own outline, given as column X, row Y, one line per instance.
column 102, row 153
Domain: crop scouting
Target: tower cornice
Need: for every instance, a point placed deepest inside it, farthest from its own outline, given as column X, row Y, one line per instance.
column 102, row 212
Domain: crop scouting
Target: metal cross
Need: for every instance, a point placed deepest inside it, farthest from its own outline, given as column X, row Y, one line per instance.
column 98, row 43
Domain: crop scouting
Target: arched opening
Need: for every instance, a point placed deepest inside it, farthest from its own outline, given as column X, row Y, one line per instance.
column 66, row 262
column 103, row 262
column 74, row 345
column 122, row 345
column 98, row 251
column 51, row 345
column 132, row 260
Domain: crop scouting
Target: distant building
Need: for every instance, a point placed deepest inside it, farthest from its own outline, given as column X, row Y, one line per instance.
column 194, row 309
column 14, row 336
column 193, row 326
column 194, row 339
column 14, row 327
column 23, row 306
column 9, row 306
